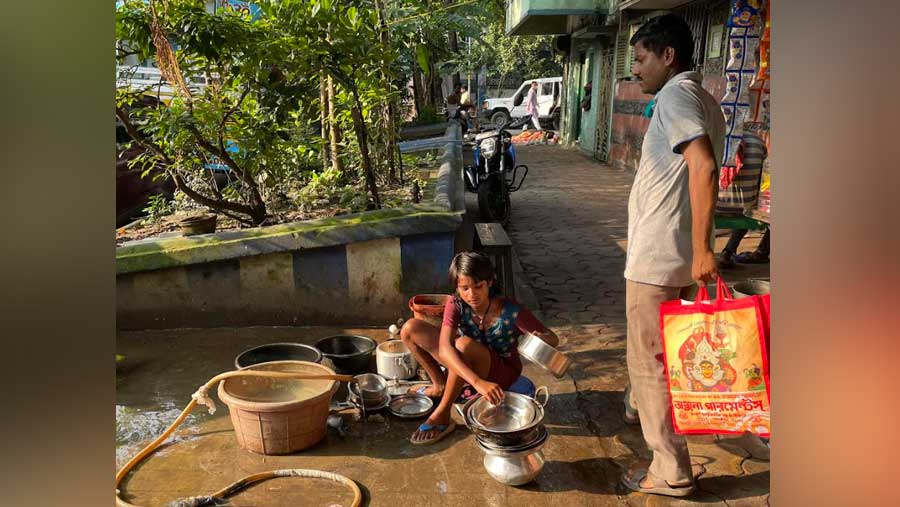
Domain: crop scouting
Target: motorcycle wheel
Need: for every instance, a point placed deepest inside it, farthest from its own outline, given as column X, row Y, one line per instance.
column 493, row 201
column 499, row 118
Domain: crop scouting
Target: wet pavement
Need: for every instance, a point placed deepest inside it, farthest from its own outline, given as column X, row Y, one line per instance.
column 568, row 226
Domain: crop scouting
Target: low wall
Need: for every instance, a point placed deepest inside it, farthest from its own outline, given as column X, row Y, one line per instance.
column 355, row 269
column 629, row 124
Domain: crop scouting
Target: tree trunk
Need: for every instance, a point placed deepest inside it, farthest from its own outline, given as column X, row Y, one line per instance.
column 359, row 126
column 454, row 44
column 324, row 117
column 335, row 134
column 417, row 92
column 434, row 81
column 388, row 111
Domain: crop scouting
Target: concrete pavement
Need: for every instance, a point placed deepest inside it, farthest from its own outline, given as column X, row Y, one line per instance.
column 569, row 228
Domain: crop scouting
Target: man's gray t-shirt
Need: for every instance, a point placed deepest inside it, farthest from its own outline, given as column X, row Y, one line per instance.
column 659, row 208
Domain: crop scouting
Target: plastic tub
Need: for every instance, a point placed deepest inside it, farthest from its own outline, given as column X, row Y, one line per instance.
column 279, row 416
column 429, row 307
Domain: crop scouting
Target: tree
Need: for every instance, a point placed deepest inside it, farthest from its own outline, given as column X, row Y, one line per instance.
column 259, row 116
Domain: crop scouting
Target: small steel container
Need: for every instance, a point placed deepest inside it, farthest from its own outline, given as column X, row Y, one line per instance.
column 371, row 389
column 542, row 354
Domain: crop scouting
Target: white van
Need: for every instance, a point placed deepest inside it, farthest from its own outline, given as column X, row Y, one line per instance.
column 499, row 110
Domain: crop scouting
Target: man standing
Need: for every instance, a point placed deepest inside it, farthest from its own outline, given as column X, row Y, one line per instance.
column 531, row 104
column 670, row 233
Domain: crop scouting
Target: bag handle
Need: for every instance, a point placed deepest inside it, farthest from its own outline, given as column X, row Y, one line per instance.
column 722, row 291
column 702, row 294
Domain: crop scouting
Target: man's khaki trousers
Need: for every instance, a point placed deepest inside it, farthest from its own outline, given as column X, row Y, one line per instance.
column 649, row 387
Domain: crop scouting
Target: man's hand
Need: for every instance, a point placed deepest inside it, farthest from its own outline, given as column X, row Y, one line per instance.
column 490, row 390
column 703, row 268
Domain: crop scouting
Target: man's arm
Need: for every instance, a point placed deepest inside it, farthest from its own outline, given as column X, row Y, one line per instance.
column 703, row 185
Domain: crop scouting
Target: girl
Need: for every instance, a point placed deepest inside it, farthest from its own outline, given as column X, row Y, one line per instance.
column 476, row 342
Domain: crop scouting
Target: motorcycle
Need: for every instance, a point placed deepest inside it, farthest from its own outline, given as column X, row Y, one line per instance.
column 494, row 174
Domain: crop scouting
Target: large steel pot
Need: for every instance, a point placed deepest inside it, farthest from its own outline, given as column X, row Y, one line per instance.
column 515, row 421
column 348, row 353
column 542, row 354
column 750, row 287
column 515, row 468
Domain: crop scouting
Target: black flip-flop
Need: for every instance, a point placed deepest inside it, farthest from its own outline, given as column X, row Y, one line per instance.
column 754, row 257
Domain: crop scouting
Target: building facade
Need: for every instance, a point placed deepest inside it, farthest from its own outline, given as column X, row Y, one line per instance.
column 593, row 35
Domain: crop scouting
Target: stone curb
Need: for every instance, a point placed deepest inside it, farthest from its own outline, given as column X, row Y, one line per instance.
column 449, row 192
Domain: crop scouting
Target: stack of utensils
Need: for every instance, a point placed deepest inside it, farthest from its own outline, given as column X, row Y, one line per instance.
column 511, row 434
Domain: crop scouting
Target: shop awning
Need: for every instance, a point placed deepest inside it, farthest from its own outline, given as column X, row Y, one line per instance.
column 650, row 5
column 548, row 17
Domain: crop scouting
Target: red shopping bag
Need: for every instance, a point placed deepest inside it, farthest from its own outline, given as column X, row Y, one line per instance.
column 716, row 363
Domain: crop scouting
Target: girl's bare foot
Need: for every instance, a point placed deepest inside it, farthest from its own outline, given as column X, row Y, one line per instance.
column 432, row 391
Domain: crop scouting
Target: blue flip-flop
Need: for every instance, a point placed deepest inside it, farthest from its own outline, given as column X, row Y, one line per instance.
column 445, row 429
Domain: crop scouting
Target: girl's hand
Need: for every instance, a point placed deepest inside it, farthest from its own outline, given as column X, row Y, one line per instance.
column 490, row 390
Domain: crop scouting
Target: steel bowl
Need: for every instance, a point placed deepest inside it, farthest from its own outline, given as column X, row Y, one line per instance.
column 372, row 389
column 511, row 435
column 542, row 354
column 515, row 413
column 535, row 436
column 350, row 354
column 277, row 352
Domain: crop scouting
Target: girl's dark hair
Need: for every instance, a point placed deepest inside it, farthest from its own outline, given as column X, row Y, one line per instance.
column 665, row 31
column 476, row 266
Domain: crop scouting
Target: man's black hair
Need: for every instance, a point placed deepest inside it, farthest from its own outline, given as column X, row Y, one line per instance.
column 665, row 31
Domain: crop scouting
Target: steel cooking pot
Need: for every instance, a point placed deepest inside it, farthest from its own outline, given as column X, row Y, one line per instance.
column 542, row 354
column 515, row 468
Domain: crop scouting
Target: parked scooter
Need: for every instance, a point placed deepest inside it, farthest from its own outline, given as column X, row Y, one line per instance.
column 494, row 174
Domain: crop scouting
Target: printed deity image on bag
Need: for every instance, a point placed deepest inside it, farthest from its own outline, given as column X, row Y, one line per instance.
column 705, row 361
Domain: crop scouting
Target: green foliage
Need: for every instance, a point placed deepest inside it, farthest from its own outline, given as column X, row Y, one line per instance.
column 259, row 114
column 528, row 55
column 158, row 206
